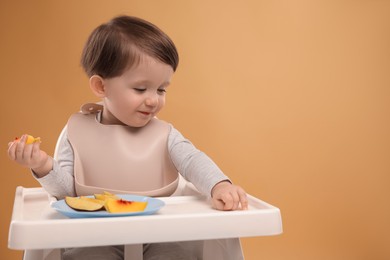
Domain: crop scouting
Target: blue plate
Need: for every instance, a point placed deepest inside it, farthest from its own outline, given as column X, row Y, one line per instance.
column 153, row 206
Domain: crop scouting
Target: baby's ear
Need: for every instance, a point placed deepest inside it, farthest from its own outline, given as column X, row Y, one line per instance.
column 96, row 83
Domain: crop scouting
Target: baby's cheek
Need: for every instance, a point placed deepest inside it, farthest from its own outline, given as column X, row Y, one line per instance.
column 161, row 104
column 162, row 99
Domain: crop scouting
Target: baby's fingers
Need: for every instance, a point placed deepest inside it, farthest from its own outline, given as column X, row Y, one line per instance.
column 238, row 198
column 20, row 147
column 27, row 153
column 11, row 150
column 243, row 199
column 36, row 151
column 229, row 201
column 235, row 201
column 218, row 204
column 15, row 149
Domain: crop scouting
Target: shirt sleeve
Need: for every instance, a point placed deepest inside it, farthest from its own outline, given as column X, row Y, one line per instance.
column 194, row 165
column 59, row 182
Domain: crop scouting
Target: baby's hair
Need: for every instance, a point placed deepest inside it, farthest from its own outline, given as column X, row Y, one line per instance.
column 120, row 43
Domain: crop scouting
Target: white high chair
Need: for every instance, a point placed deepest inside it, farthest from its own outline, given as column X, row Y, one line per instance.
column 41, row 231
column 29, row 197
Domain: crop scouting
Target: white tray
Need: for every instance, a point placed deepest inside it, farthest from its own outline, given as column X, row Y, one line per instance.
column 35, row 225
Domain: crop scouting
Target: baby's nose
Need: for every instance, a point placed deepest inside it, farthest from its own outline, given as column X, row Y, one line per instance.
column 152, row 100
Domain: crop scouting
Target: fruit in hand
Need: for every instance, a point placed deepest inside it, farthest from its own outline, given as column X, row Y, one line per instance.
column 121, row 206
column 30, row 139
column 83, row 204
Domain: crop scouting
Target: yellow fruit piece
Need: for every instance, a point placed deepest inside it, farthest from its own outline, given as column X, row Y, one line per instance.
column 122, row 206
column 106, row 195
column 31, row 139
column 83, row 204
column 101, row 202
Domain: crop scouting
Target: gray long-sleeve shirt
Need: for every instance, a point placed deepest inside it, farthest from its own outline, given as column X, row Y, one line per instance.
column 194, row 165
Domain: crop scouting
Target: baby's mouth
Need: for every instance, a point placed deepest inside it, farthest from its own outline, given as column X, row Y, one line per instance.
column 145, row 113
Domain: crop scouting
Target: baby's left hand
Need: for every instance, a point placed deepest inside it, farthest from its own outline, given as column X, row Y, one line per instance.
column 227, row 196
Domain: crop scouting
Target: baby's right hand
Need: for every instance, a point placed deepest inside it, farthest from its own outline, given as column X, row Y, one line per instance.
column 29, row 155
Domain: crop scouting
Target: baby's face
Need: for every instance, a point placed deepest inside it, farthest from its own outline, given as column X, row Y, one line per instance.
column 136, row 96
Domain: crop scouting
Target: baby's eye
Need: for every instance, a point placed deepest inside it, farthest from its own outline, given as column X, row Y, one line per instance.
column 140, row 89
column 161, row 90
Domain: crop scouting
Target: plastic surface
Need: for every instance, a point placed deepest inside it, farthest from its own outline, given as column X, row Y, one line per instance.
column 36, row 225
column 153, row 206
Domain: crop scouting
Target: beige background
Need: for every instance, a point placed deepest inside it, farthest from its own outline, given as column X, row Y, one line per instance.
column 290, row 98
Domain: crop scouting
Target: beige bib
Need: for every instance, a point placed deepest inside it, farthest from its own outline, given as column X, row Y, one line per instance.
column 120, row 159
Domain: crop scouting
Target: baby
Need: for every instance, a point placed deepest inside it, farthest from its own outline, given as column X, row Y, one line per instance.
column 119, row 145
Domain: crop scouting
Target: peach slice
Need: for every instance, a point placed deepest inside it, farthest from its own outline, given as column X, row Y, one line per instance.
column 31, row 139
column 122, row 206
column 83, row 204
column 101, row 202
column 106, row 195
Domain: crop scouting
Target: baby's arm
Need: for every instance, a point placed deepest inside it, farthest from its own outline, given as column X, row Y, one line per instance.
column 58, row 180
column 200, row 170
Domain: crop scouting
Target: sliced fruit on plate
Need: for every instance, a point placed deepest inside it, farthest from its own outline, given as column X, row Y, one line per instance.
column 83, row 204
column 122, row 206
column 101, row 202
column 106, row 195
